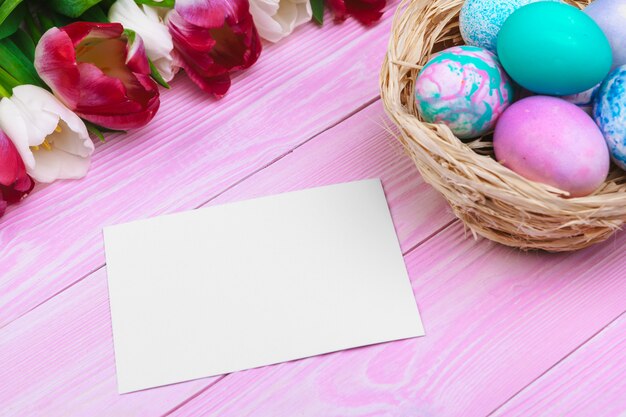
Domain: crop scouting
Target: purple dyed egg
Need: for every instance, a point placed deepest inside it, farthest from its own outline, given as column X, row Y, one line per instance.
column 551, row 141
column 610, row 15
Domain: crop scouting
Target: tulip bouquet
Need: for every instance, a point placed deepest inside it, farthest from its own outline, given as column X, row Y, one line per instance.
column 71, row 68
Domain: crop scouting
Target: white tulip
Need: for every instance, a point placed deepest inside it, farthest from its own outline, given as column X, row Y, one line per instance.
column 50, row 138
column 276, row 19
column 148, row 22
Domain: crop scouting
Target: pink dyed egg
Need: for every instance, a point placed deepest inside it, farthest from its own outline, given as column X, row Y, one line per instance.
column 549, row 140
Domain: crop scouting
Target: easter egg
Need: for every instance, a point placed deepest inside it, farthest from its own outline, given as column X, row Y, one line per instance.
column 548, row 140
column 481, row 20
column 554, row 48
column 610, row 15
column 585, row 99
column 610, row 114
column 465, row 88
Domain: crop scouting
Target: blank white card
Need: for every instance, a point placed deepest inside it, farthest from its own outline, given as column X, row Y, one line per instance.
column 254, row 283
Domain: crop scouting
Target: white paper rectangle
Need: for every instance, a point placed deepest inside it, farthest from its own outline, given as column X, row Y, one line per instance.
column 254, row 283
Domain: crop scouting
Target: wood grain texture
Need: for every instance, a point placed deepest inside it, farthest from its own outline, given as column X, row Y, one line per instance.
column 194, row 149
column 589, row 382
column 60, row 355
column 58, row 361
column 495, row 320
column 361, row 147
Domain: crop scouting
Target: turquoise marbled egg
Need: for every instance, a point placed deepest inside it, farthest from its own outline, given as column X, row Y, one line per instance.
column 610, row 114
column 465, row 88
column 481, row 20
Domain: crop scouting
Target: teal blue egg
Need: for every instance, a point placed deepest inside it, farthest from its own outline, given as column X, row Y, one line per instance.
column 554, row 49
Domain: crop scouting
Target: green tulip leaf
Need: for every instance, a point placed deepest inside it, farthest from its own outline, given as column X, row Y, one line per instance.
column 317, row 7
column 12, row 21
column 24, row 43
column 71, row 8
column 32, row 28
column 156, row 75
column 165, row 3
column 94, row 130
column 16, row 63
column 95, row 14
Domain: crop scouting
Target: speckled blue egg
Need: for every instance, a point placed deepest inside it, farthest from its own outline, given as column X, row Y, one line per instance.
column 481, row 20
column 609, row 113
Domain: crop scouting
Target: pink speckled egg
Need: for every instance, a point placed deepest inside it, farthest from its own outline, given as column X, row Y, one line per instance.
column 549, row 140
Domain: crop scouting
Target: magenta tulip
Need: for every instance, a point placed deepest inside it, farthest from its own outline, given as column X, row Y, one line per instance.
column 214, row 38
column 14, row 182
column 365, row 11
column 100, row 73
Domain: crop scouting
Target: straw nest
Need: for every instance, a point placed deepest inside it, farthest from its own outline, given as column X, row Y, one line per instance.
column 490, row 199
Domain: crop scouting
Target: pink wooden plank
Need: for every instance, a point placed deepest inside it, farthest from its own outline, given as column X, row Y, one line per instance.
column 590, row 382
column 65, row 366
column 495, row 320
column 60, row 354
column 361, row 147
column 195, row 148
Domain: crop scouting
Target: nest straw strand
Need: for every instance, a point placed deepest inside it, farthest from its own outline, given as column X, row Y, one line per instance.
column 490, row 199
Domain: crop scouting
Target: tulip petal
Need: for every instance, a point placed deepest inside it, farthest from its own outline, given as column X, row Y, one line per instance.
column 109, row 102
column 305, row 13
column 18, row 190
column 276, row 19
column 56, row 164
column 211, row 13
column 66, row 140
column 365, row 11
column 55, row 61
column 43, row 112
column 11, row 164
column 136, row 58
column 78, row 31
column 14, row 182
column 217, row 85
column 12, row 122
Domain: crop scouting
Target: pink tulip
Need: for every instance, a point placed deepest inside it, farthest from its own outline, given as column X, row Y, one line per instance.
column 100, row 73
column 14, row 182
column 214, row 38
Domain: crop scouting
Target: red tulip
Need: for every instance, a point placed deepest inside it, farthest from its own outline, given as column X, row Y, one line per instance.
column 214, row 38
column 365, row 11
column 100, row 73
column 14, row 182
